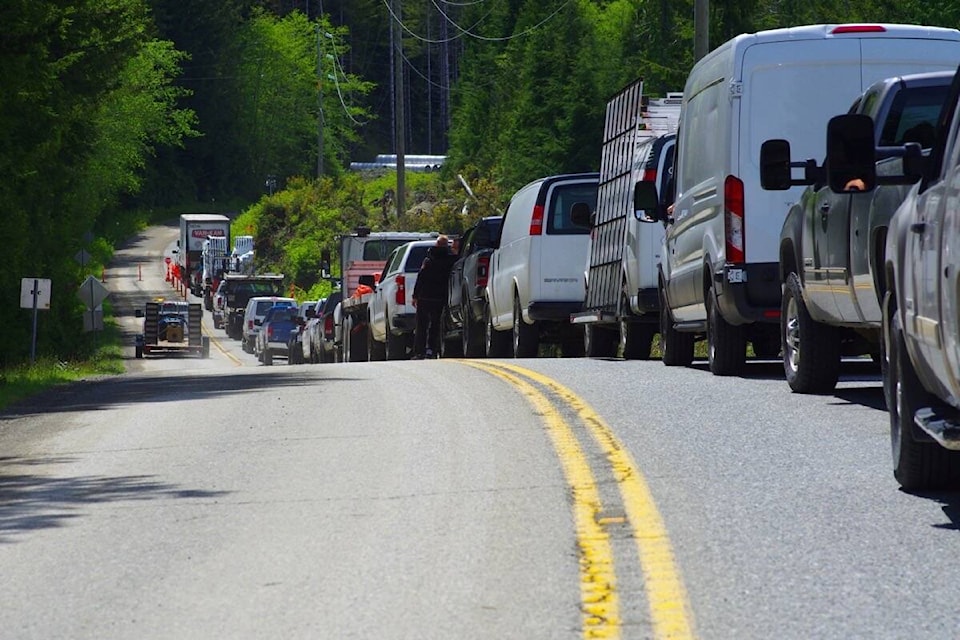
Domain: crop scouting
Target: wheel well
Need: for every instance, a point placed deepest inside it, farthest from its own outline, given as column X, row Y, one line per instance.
column 788, row 260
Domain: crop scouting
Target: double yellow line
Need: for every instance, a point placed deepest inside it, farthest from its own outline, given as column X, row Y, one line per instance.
column 669, row 610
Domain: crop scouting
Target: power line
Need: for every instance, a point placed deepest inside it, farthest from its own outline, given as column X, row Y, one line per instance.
column 468, row 31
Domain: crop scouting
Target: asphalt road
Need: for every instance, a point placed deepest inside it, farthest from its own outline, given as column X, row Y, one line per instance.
column 569, row 498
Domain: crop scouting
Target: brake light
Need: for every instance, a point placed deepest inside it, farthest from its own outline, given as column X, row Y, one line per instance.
column 650, row 175
column 536, row 222
column 270, row 332
column 401, row 289
column 483, row 270
column 328, row 326
column 733, row 219
column 859, row 28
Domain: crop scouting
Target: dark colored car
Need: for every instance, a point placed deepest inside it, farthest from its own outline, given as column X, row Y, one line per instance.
column 463, row 319
column 274, row 335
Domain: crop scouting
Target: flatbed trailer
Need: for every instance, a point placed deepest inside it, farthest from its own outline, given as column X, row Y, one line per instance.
column 170, row 328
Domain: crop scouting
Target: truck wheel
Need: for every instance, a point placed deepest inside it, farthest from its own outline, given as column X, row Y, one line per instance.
column 496, row 343
column 138, row 351
column 636, row 339
column 376, row 351
column 526, row 337
column 917, row 465
column 676, row 347
column 208, row 300
column 726, row 344
column 396, row 349
column 268, row 357
column 358, row 343
column 471, row 336
column 811, row 350
column 599, row 342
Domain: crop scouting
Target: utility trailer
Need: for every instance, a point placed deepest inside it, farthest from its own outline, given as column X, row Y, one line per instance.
column 171, row 327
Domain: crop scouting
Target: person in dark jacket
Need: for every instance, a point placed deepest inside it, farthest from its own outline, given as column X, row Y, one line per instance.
column 430, row 297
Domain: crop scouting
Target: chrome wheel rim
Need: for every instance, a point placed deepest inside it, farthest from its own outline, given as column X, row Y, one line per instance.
column 791, row 337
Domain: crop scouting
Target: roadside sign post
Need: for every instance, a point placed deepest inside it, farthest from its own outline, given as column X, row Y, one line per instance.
column 34, row 294
column 92, row 294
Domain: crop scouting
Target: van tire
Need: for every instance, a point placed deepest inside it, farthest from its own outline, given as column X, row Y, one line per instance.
column 496, row 343
column 676, row 347
column 636, row 339
column 917, row 466
column 811, row 350
column 726, row 343
column 599, row 342
column 526, row 337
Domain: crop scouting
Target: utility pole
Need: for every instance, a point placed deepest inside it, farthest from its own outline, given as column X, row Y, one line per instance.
column 319, row 103
column 396, row 16
column 701, row 28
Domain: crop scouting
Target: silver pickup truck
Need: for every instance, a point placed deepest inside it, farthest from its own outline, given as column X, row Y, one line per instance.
column 832, row 244
column 921, row 310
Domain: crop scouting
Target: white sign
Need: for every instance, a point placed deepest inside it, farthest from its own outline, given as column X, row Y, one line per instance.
column 30, row 287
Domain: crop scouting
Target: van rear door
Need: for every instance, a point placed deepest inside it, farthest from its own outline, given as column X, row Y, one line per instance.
column 790, row 89
column 557, row 272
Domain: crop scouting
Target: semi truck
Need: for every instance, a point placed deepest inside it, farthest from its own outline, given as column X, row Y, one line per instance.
column 621, row 306
column 363, row 255
column 195, row 228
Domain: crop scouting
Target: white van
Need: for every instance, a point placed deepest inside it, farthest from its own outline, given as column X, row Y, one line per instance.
column 720, row 258
column 536, row 269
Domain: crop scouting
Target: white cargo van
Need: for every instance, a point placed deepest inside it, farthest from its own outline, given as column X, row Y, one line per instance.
column 536, row 269
column 719, row 264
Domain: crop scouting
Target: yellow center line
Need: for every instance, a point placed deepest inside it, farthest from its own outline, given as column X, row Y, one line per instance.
column 669, row 609
column 216, row 342
column 598, row 589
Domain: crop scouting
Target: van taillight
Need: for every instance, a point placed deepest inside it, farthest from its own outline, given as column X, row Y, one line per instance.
column 536, row 222
column 859, row 28
column 401, row 289
column 650, row 175
column 733, row 219
column 483, row 270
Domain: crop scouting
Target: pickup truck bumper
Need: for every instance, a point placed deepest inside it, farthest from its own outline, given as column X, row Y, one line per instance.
column 748, row 293
column 404, row 322
column 553, row 311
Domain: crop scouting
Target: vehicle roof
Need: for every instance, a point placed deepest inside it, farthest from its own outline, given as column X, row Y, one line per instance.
column 930, row 78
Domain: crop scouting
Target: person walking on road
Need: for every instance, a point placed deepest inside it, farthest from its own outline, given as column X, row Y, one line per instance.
column 430, row 298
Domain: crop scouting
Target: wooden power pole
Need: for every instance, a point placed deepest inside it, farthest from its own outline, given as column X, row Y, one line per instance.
column 701, row 28
column 396, row 15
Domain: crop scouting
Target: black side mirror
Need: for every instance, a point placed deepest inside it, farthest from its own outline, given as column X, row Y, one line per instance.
column 775, row 165
column 325, row 263
column 646, row 203
column 580, row 214
column 851, row 154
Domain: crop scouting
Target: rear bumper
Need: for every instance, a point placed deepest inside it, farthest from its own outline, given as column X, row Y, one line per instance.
column 404, row 322
column 748, row 293
column 553, row 311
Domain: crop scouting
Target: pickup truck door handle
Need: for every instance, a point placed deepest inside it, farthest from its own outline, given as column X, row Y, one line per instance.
column 918, row 227
column 824, row 207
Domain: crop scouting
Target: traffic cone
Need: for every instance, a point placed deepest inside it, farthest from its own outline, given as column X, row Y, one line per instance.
column 168, row 272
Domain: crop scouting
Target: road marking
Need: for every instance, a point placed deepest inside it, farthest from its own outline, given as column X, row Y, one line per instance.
column 598, row 588
column 216, row 342
column 669, row 609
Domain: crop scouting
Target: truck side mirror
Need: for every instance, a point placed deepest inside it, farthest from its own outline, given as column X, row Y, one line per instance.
column 646, row 202
column 580, row 215
column 775, row 165
column 914, row 164
column 851, row 154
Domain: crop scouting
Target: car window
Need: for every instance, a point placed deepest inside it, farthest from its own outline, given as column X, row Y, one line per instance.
column 913, row 116
column 415, row 258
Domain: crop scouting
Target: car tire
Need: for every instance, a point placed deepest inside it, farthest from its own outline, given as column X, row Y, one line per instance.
column 268, row 357
column 676, row 347
column 449, row 347
column 496, row 343
column 811, row 350
column 526, row 337
column 726, row 343
column 917, row 465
